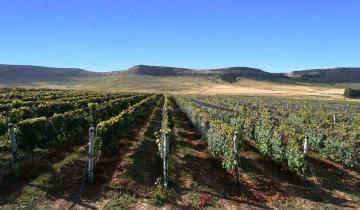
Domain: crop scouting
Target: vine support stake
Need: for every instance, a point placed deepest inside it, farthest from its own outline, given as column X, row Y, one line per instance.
column 14, row 150
column 305, row 153
column 236, row 155
column 91, row 155
column 165, row 158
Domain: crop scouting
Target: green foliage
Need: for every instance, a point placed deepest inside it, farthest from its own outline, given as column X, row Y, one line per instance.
column 3, row 125
column 109, row 131
column 22, row 110
column 279, row 126
column 122, row 201
column 33, row 133
column 55, row 126
column 161, row 195
column 220, row 143
column 103, row 111
column 264, row 132
column 47, row 132
column 218, row 134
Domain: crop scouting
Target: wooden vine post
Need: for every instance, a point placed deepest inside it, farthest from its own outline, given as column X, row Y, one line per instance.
column 14, row 150
column 166, row 158
column 90, row 174
column 165, row 144
column 305, row 153
column 236, row 155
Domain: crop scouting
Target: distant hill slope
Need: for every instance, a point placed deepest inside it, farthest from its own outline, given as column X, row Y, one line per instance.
column 231, row 74
column 23, row 74
column 27, row 73
column 157, row 70
column 333, row 75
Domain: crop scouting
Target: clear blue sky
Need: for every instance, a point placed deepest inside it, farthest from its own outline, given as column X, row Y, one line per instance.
column 275, row 35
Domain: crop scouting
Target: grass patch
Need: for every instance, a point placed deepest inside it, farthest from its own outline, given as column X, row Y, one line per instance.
column 40, row 192
column 353, row 196
column 325, row 206
column 120, row 202
column 288, row 203
column 68, row 161
column 250, row 169
column 5, row 159
column 187, row 151
column 162, row 195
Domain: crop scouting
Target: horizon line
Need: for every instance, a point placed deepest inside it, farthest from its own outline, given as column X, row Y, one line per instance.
column 174, row 66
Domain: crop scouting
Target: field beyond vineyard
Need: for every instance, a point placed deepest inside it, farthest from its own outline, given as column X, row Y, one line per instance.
column 72, row 149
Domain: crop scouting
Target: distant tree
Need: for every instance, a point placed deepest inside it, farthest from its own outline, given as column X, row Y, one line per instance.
column 352, row 93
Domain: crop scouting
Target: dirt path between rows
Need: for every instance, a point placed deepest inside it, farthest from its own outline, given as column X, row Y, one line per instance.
column 199, row 179
column 128, row 176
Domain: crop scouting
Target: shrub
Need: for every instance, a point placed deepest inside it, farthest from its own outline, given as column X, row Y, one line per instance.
column 352, row 93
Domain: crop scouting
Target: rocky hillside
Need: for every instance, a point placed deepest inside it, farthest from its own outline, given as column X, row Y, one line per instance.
column 234, row 74
column 334, row 75
column 231, row 74
column 158, row 70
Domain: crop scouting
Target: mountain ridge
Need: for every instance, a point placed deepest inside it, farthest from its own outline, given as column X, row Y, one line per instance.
column 31, row 73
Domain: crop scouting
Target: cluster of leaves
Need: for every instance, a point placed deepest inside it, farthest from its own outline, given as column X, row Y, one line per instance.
column 3, row 125
column 218, row 134
column 46, row 133
column 279, row 127
column 167, row 120
column 108, row 132
column 162, row 195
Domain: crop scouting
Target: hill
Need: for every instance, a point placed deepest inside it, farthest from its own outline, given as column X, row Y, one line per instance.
column 231, row 74
column 332, row 75
column 157, row 70
column 27, row 74
column 144, row 78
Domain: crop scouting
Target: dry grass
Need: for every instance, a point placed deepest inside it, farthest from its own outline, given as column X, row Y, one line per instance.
column 196, row 85
column 251, row 87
